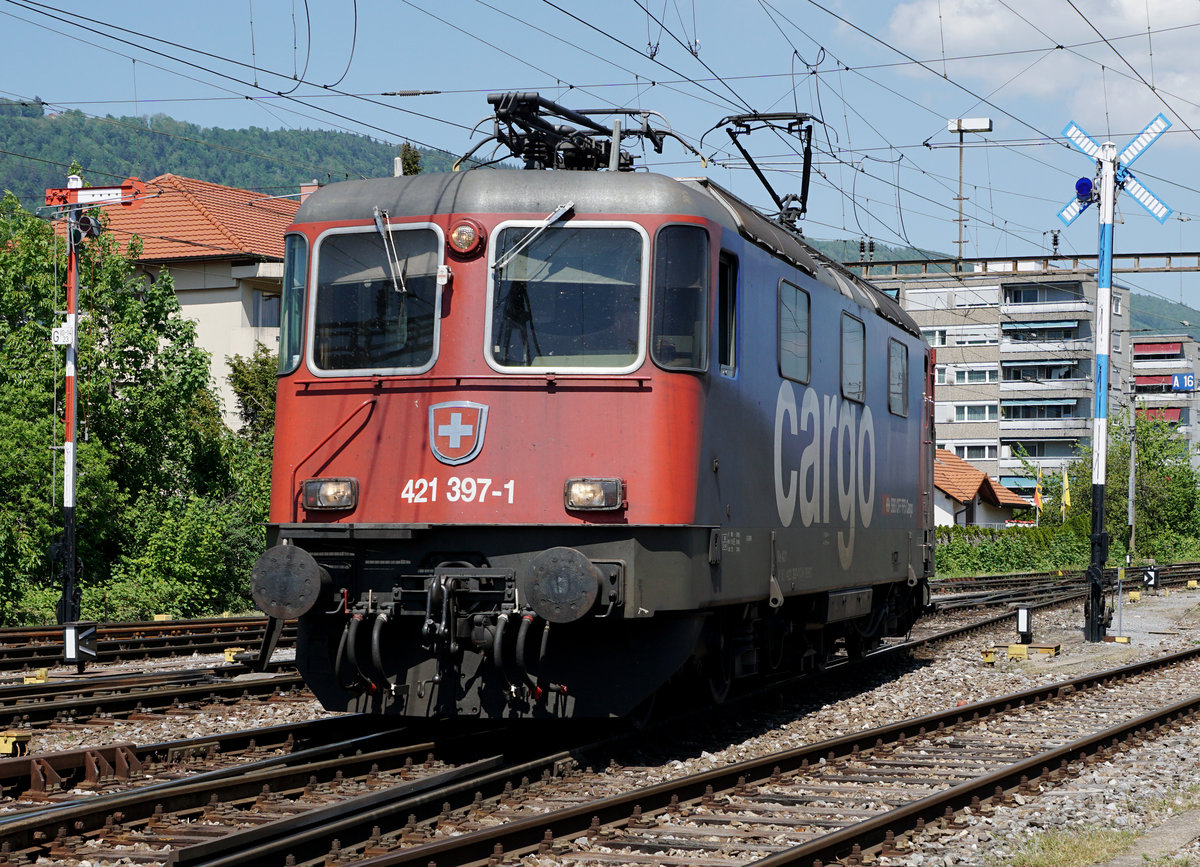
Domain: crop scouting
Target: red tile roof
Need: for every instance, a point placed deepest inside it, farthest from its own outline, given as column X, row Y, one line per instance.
column 183, row 218
column 962, row 482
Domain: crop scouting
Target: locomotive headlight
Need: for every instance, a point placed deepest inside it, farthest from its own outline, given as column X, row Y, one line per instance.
column 330, row 494
column 594, row 494
column 466, row 237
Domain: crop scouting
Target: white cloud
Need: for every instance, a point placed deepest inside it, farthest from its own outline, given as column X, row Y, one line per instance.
column 1090, row 84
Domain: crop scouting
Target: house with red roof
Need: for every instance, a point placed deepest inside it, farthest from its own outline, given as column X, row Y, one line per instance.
column 967, row 496
column 224, row 249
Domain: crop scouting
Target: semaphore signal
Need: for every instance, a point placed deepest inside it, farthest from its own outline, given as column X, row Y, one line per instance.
column 1114, row 175
column 73, row 200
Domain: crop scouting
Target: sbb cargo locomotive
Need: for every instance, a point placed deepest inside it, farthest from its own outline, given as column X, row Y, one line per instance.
column 547, row 440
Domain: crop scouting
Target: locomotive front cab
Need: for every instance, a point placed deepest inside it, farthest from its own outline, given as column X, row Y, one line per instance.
column 473, row 461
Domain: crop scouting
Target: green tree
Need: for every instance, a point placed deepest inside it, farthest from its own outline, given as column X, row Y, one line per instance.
column 253, row 381
column 196, row 548
column 410, row 159
column 162, row 484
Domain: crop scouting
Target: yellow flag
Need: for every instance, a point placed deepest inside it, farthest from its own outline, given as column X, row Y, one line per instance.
column 1066, row 494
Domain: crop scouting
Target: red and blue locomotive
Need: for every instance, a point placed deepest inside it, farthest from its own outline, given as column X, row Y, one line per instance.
column 547, row 440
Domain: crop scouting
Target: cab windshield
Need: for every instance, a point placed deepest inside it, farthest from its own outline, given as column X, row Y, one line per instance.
column 569, row 298
column 376, row 300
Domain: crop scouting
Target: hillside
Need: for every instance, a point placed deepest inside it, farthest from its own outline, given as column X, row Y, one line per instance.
column 34, row 147
column 1158, row 316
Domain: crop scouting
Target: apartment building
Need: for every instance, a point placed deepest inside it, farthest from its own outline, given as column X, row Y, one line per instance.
column 1015, row 359
column 1165, row 368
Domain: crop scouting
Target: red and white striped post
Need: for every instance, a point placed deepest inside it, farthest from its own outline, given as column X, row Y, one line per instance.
column 73, row 200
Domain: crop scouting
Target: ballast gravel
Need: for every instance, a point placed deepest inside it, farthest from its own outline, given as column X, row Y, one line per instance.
column 1140, row 790
column 1152, row 790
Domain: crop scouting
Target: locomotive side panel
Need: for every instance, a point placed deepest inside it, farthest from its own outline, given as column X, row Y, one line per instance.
column 809, row 486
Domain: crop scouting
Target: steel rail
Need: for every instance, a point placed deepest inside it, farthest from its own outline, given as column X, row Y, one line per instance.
column 119, row 762
column 525, row 835
column 31, row 833
column 118, row 649
column 157, row 697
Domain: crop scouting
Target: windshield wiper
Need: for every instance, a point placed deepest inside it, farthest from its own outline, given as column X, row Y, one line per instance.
column 384, row 225
column 558, row 213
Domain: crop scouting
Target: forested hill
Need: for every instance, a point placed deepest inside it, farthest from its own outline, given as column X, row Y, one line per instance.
column 1159, row 316
column 36, row 145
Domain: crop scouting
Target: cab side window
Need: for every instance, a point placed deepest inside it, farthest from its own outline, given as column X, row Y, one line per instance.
column 897, row 377
column 854, row 363
column 793, row 332
column 680, row 298
column 727, row 314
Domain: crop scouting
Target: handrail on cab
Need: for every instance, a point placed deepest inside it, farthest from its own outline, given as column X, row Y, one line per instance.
column 370, row 402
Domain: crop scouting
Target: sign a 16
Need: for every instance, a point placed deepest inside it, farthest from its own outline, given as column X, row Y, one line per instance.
column 1183, row 382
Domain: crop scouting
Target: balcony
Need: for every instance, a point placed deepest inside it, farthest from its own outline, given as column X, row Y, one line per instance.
column 1050, row 466
column 1039, row 349
column 1078, row 307
column 1047, row 388
column 1061, row 427
column 1164, row 365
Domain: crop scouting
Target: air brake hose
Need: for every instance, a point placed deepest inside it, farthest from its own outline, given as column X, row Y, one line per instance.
column 352, row 645
column 381, row 620
column 498, row 644
column 522, row 636
column 339, row 660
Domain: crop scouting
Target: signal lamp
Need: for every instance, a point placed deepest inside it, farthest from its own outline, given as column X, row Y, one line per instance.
column 329, row 494
column 466, row 238
column 86, row 226
column 1083, row 189
column 594, row 494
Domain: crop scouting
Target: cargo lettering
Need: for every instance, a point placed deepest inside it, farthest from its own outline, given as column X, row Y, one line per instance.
column 836, row 466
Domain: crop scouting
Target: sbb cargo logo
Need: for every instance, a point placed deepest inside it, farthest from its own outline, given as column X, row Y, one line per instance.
column 456, row 430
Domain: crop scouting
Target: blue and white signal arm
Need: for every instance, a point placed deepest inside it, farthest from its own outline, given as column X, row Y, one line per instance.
column 1125, row 179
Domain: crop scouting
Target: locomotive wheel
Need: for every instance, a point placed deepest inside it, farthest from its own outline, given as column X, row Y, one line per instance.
column 718, row 672
column 776, row 631
column 639, row 718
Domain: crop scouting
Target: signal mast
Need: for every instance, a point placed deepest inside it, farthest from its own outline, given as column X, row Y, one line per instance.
column 1114, row 175
column 72, row 201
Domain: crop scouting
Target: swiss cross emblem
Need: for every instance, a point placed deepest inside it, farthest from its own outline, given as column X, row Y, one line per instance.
column 456, row 430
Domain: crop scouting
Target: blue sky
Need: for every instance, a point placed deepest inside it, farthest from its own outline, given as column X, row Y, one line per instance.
column 883, row 76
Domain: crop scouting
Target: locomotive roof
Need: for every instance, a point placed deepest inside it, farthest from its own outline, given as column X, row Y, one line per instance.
column 520, row 191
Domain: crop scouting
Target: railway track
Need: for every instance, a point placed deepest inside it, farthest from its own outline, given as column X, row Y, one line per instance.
column 24, row 648
column 838, row 799
column 99, row 700
column 265, row 791
column 382, row 803
column 34, row 782
column 1030, row 587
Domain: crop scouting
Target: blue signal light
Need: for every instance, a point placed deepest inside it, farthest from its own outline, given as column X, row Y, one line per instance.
column 1083, row 189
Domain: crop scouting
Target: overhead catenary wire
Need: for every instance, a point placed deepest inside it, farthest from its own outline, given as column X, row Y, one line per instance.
column 896, row 177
